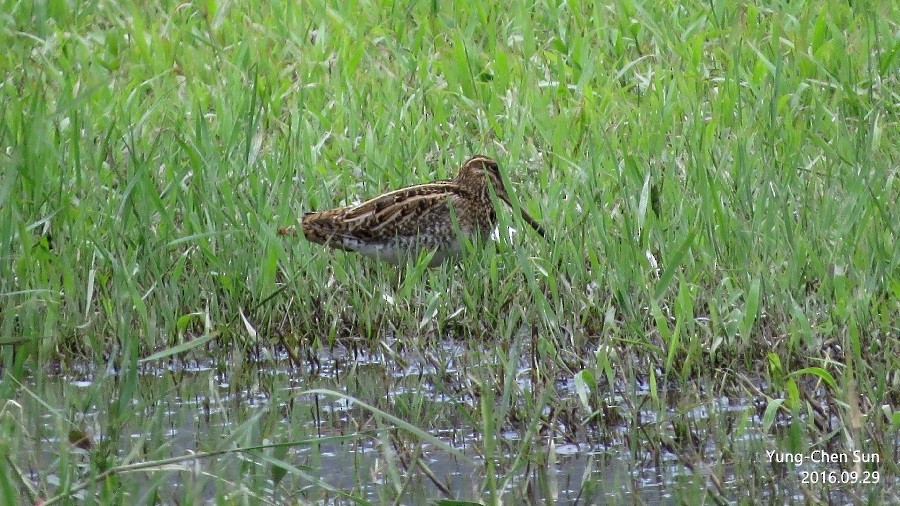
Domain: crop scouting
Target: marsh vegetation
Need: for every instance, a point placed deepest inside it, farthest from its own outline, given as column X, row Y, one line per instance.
column 719, row 294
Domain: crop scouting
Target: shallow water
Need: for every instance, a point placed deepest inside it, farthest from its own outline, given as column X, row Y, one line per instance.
column 193, row 406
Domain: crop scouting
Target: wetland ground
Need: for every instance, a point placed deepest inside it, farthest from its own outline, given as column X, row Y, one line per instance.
column 715, row 318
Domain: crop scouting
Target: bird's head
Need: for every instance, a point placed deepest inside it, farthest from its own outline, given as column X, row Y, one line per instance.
column 477, row 171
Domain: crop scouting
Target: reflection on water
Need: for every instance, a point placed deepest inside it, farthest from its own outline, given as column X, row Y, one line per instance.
column 194, row 406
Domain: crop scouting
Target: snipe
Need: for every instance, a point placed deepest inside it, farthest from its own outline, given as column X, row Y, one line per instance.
column 399, row 224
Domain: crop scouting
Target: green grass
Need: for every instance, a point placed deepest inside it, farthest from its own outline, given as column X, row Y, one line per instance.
column 719, row 180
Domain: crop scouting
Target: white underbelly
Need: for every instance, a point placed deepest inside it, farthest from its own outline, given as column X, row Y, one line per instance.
column 404, row 253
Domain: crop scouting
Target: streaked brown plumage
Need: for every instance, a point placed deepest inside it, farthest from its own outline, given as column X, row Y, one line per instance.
column 397, row 225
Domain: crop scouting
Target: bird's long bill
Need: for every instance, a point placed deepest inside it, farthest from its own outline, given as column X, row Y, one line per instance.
column 527, row 217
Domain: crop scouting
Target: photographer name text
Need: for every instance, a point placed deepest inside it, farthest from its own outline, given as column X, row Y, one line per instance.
column 823, row 457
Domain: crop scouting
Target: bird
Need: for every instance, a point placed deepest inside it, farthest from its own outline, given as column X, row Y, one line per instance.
column 398, row 225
